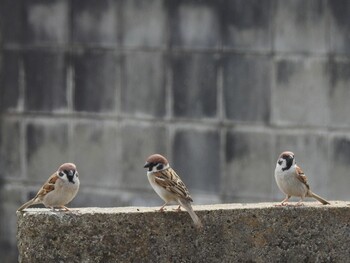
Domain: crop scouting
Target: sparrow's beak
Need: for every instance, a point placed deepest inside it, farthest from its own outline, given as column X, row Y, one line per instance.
column 149, row 165
column 70, row 176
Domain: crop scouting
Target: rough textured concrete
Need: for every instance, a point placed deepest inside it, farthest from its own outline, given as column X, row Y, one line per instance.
column 232, row 233
column 219, row 87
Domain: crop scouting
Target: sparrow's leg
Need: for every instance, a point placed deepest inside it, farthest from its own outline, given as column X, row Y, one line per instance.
column 300, row 203
column 178, row 209
column 64, row 208
column 162, row 208
column 284, row 201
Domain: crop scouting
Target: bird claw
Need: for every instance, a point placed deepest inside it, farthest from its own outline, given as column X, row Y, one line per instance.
column 60, row 209
column 282, row 204
column 177, row 209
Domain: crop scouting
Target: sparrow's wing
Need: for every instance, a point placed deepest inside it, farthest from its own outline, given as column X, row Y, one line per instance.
column 301, row 176
column 169, row 180
column 47, row 187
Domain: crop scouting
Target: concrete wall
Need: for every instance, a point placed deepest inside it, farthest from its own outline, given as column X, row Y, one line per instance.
column 219, row 87
column 231, row 233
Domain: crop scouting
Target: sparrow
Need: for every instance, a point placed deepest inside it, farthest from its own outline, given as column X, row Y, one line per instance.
column 292, row 181
column 58, row 190
column 168, row 185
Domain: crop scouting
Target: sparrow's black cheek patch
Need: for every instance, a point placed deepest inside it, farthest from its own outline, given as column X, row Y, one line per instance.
column 289, row 163
column 160, row 167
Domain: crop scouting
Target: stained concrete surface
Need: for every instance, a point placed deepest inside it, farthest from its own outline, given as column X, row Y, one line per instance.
column 258, row 232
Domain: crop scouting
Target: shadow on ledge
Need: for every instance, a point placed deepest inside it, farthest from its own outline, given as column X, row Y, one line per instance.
column 232, row 232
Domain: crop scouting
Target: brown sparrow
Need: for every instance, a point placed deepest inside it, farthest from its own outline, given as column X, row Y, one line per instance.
column 58, row 190
column 169, row 186
column 292, row 181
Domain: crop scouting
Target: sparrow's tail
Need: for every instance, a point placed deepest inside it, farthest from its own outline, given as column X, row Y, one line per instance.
column 318, row 198
column 187, row 205
column 29, row 203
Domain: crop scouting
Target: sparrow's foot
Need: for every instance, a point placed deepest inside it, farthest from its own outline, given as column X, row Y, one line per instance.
column 60, row 209
column 282, row 204
column 162, row 209
column 64, row 208
column 177, row 209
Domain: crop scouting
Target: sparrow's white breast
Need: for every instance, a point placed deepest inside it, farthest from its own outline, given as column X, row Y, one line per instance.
column 164, row 194
column 63, row 193
column 289, row 184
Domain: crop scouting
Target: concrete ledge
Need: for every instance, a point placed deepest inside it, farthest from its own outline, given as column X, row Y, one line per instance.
column 233, row 232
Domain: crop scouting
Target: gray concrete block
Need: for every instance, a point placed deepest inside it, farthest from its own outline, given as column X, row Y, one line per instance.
column 101, row 197
column 247, row 83
column 95, row 22
column 248, row 24
column 301, row 26
column 144, row 23
column 195, row 24
column 339, row 95
column 194, row 85
column 31, row 191
column 10, row 149
column 250, row 165
column 231, row 233
column 47, row 148
column 114, row 197
column 97, row 80
column 10, row 198
column 45, row 80
column 139, row 142
column 339, row 167
column 143, row 93
column 300, row 92
column 47, row 22
column 196, row 158
column 9, row 80
column 312, row 155
column 11, row 21
column 149, row 198
column 340, row 26
column 97, row 153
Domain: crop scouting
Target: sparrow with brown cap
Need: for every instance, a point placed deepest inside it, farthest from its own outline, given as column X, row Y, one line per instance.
column 58, row 190
column 292, row 181
column 169, row 186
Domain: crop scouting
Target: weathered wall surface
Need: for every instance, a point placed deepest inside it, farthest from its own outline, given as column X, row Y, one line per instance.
column 232, row 233
column 219, row 87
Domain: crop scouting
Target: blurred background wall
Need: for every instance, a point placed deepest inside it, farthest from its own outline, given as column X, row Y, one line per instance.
column 220, row 87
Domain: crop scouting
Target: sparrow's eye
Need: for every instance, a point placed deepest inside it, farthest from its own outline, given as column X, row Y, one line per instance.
column 160, row 166
column 61, row 174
